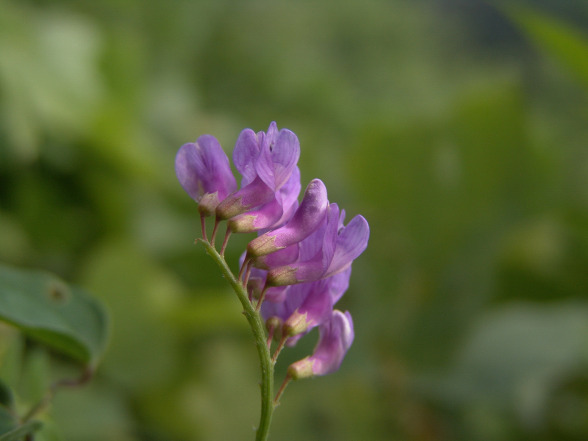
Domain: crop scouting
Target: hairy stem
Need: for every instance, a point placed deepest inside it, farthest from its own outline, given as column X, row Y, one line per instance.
column 257, row 327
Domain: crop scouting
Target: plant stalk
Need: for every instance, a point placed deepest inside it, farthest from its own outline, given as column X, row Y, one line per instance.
column 258, row 328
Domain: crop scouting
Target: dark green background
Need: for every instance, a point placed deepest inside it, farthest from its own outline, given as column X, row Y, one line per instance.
column 457, row 128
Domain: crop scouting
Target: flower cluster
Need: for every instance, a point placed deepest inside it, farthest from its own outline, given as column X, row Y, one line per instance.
column 299, row 265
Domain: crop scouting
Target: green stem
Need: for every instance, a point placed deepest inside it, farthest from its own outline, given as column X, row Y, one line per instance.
column 257, row 327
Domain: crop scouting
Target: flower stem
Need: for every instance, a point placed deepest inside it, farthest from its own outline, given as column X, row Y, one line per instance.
column 279, row 348
column 281, row 391
column 261, row 297
column 86, row 376
column 257, row 327
column 213, row 237
column 225, row 242
column 203, row 226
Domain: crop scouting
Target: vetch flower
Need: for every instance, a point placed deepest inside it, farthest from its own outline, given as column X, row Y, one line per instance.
column 278, row 258
column 306, row 305
column 266, row 161
column 272, row 214
column 335, row 338
column 256, row 284
column 307, row 218
column 326, row 255
column 256, row 279
column 203, row 169
column 297, row 268
column 318, row 304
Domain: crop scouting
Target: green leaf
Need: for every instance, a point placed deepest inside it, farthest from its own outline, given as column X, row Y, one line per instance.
column 567, row 44
column 48, row 310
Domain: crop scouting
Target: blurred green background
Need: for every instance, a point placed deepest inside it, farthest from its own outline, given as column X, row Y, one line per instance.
column 457, row 128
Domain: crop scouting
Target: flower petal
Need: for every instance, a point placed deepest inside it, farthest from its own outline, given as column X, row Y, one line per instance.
column 297, row 272
column 272, row 131
column 278, row 157
column 330, row 240
column 335, row 339
column 203, row 168
column 288, row 195
column 313, row 311
column 308, row 217
column 279, row 258
column 274, row 308
column 351, row 242
column 245, row 154
column 252, row 196
column 267, row 215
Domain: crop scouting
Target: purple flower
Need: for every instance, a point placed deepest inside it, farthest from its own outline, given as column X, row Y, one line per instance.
column 267, row 162
column 256, row 280
column 330, row 250
column 256, row 284
column 306, row 305
column 335, row 338
column 299, row 265
column 278, row 258
column 272, row 214
column 203, row 169
column 307, row 218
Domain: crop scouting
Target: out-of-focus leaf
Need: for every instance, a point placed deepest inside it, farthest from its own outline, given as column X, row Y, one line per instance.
column 19, row 432
column 6, row 396
column 140, row 294
column 568, row 45
column 94, row 413
column 48, row 75
column 35, row 380
column 11, row 430
column 517, row 356
column 7, row 420
column 227, row 379
column 10, row 427
column 207, row 313
column 12, row 344
column 521, row 340
column 50, row 432
column 50, row 311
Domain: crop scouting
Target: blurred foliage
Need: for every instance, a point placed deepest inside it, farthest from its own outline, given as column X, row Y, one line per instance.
column 458, row 129
column 51, row 312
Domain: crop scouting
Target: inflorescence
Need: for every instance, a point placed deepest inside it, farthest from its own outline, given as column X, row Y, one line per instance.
column 299, row 265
